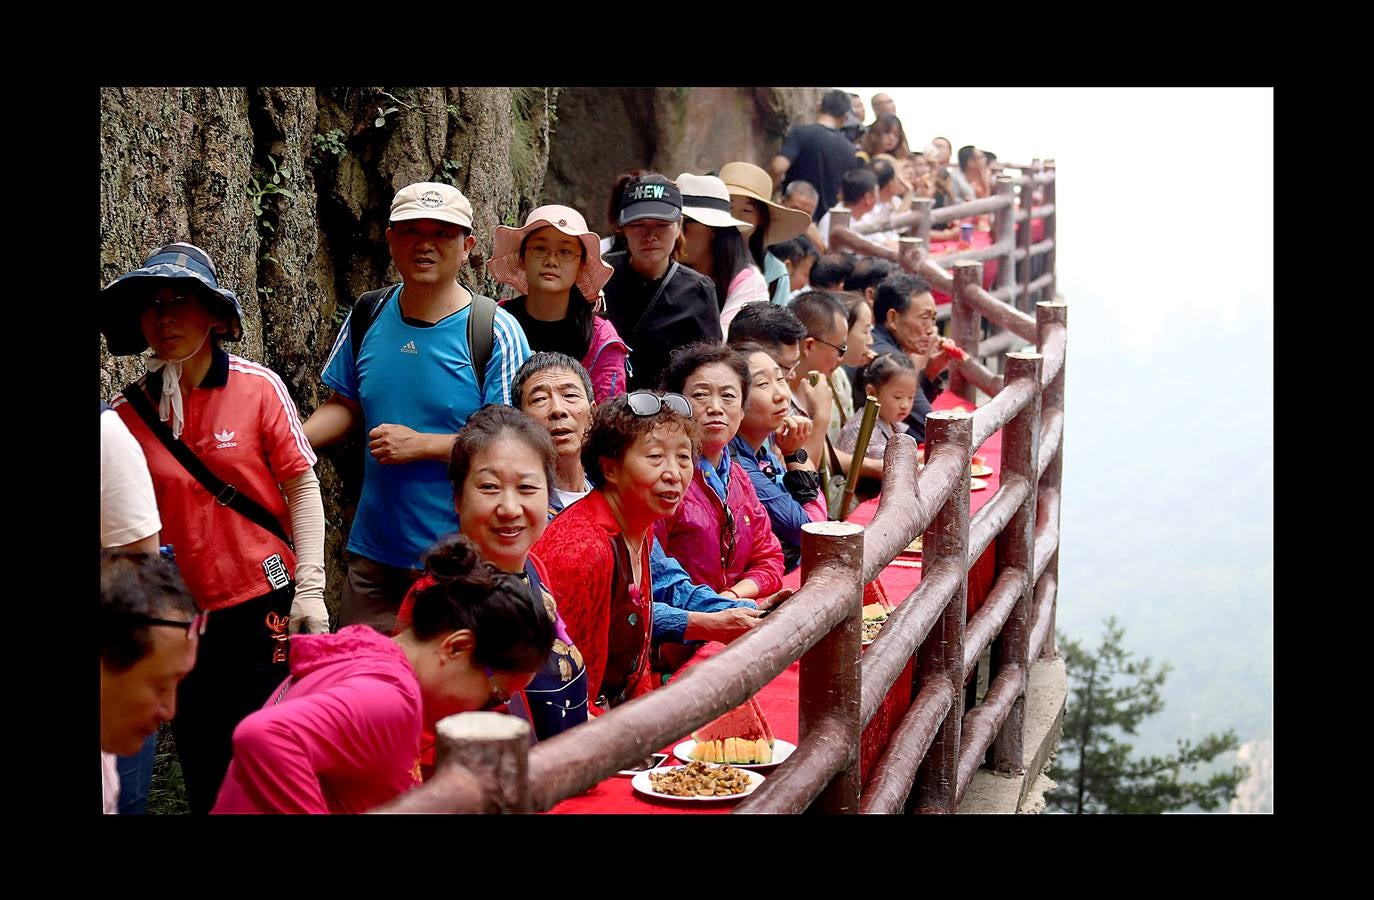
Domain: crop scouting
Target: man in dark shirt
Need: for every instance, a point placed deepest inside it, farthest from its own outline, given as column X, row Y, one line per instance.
column 655, row 303
column 904, row 322
column 818, row 153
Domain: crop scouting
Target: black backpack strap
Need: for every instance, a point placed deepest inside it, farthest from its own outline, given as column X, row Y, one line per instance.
column 365, row 312
column 225, row 494
column 481, row 321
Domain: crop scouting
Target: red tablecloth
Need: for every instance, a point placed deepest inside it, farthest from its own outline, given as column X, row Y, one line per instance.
column 981, row 240
column 779, row 698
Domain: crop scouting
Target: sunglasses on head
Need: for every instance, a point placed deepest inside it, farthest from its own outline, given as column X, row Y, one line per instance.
column 646, row 403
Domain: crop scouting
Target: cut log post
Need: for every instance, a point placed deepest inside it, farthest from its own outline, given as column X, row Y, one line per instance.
column 1023, row 244
column 1016, row 549
column 964, row 324
column 1050, row 221
column 941, row 655
column 829, row 680
column 909, row 252
column 495, row 748
column 923, row 227
column 1048, row 315
column 1004, row 231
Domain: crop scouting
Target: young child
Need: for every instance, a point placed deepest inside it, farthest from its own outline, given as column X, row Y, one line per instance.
column 891, row 378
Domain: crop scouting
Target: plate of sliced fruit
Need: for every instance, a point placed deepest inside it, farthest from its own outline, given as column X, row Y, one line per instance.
column 740, row 752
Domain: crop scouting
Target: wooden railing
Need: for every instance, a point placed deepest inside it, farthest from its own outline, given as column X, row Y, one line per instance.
column 933, row 753
column 1011, row 203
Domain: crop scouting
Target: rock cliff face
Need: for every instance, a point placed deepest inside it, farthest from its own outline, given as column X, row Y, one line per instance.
column 601, row 132
column 288, row 190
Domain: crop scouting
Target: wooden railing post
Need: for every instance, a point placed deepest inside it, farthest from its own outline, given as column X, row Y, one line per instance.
column 1023, row 239
column 1050, row 231
column 1004, row 232
column 829, row 680
column 1047, row 314
column 839, row 218
column 923, row 227
column 941, row 655
column 1016, row 549
column 494, row 747
column 964, row 323
column 909, row 252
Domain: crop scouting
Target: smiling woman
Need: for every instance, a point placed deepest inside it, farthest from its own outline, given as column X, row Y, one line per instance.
column 501, row 467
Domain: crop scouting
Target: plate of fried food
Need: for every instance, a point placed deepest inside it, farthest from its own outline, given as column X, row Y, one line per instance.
column 697, row 782
column 875, row 614
column 979, row 467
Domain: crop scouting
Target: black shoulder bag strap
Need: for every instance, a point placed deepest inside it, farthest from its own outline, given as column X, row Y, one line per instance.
column 365, row 312
column 663, row 286
column 225, row 494
column 480, row 337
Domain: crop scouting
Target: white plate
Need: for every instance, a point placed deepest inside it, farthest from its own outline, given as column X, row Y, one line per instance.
column 781, row 750
column 643, row 785
column 980, row 471
column 977, row 484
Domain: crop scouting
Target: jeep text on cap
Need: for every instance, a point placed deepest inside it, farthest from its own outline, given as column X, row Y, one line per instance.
column 431, row 200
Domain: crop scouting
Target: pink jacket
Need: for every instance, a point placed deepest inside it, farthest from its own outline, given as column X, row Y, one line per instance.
column 694, row 535
column 605, row 360
column 344, row 738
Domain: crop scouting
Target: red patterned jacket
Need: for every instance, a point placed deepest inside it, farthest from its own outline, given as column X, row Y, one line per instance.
column 576, row 551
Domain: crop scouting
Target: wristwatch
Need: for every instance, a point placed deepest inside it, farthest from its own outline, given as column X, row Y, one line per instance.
column 797, row 457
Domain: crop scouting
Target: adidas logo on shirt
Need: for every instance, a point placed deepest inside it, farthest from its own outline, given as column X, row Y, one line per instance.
column 409, row 348
column 226, row 439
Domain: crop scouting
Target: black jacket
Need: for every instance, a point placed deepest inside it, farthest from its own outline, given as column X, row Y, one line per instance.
column 685, row 312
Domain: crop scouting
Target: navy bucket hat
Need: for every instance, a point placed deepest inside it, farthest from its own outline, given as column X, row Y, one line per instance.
column 186, row 264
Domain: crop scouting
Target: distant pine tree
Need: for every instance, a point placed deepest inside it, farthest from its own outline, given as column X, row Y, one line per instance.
column 1112, row 693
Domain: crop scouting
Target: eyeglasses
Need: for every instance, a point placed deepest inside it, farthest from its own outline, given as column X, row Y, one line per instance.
column 727, row 540
column 788, row 369
column 562, row 254
column 194, row 627
column 840, row 349
column 647, row 403
column 497, row 698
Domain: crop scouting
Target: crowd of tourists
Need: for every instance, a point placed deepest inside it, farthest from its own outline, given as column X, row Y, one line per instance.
column 565, row 491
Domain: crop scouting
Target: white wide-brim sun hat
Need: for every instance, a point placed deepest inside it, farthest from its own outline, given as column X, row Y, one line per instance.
column 706, row 199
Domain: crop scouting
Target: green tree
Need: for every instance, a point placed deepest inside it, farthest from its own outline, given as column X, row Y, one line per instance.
column 1113, row 691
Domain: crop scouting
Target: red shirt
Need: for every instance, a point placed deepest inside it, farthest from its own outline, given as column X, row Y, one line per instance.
column 577, row 553
column 243, row 425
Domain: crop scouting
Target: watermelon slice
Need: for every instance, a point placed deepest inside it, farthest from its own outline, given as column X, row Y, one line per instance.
column 744, row 721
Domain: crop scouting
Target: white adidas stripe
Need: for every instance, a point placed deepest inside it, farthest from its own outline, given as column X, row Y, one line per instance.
column 338, row 341
column 510, row 351
column 239, row 364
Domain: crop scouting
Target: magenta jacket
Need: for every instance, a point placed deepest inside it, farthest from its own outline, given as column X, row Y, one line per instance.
column 694, row 535
column 341, row 735
column 605, row 360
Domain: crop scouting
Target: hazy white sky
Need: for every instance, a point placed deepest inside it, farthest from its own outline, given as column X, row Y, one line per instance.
column 1167, row 193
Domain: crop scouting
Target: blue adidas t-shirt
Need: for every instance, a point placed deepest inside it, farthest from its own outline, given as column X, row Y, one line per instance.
column 420, row 377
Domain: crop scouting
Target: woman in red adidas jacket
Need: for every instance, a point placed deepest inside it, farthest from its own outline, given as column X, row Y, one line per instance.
column 259, row 580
